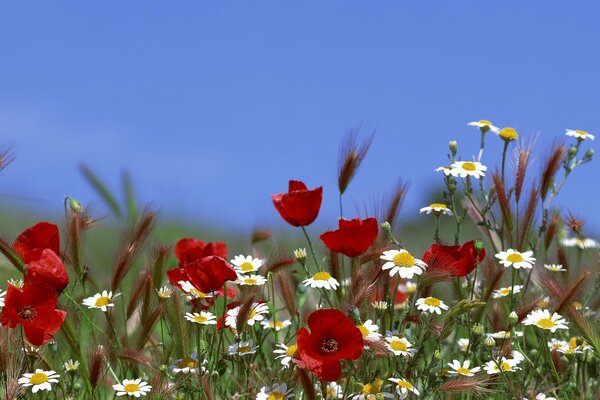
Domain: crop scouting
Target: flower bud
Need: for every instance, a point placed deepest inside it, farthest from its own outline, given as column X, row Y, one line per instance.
column 387, row 229
column 300, row 255
column 453, row 146
column 478, row 329
column 478, row 245
column 74, row 205
column 513, row 317
column 572, row 151
column 489, row 342
column 589, row 154
column 438, row 354
column 508, row 134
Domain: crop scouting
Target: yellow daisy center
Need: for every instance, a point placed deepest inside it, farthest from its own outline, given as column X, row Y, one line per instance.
column 582, row 133
column 373, row 387
column 505, row 291
column 405, row 384
column 504, row 366
column 398, row 345
column 469, row 166
column 252, row 314
column 277, row 324
column 433, row 302
column 292, row 351
column 276, row 396
column 250, row 281
column 464, row 371
column 246, row 266
column 508, row 134
column 38, row 378
column 187, row 362
column 200, row 319
column 545, row 323
column 196, row 293
column 322, row 276
column 438, row 205
column 485, row 122
column 102, row 301
column 363, row 330
column 404, row 259
column 514, row 258
column 244, row 349
column 131, row 388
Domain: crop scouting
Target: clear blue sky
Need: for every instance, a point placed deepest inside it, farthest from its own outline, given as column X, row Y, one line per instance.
column 213, row 106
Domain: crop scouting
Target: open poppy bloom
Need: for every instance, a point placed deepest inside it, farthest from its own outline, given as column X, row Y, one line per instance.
column 188, row 250
column 332, row 337
column 48, row 269
column 30, row 244
column 353, row 237
column 453, row 260
column 299, row 206
column 33, row 307
column 208, row 274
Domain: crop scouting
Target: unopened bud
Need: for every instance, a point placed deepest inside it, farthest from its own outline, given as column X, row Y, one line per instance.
column 387, row 229
column 438, row 354
column 513, row 317
column 452, row 186
column 453, row 146
column 74, row 205
column 478, row 245
column 478, row 329
column 508, row 134
column 589, row 154
column 214, row 374
column 489, row 342
column 300, row 255
column 572, row 151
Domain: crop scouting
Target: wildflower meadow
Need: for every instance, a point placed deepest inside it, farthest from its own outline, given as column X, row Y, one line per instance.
column 502, row 304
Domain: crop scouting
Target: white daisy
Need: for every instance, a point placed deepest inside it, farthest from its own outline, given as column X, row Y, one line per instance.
column 543, row 320
column 277, row 325
column 193, row 292
column 446, row 170
column 186, row 365
column 403, row 386
column 402, row 263
column 164, row 292
column 516, row 259
column 242, row 348
column 71, row 366
column 202, row 318
column 437, row 209
column 400, row 346
column 333, row 391
column 132, row 387
column 462, row 369
column 506, row 291
column 555, row 344
column 256, row 314
column 252, row 280
column 554, row 267
column 322, row 280
column 463, row 344
column 431, row 304
column 410, row 286
column 369, row 330
column 505, row 334
column 39, row 380
column 542, row 396
column 570, row 347
column 101, row 300
column 372, row 391
column 493, row 367
column 582, row 243
column 380, row 305
column 286, row 353
column 583, row 135
column 484, row 126
column 277, row 391
column 468, row 168
column 245, row 264
column 300, row 254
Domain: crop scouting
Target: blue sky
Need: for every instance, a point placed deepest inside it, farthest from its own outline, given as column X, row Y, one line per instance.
column 213, row 106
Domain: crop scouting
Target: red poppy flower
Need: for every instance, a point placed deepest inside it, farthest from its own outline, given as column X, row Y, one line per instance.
column 353, row 237
column 453, row 260
column 33, row 307
column 299, row 206
column 48, row 269
column 207, row 275
column 332, row 337
column 188, row 250
column 30, row 244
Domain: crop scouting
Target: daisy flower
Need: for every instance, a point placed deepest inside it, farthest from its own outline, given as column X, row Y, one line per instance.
column 193, row 292
column 554, row 267
column 403, row 387
column 300, row 254
column 372, row 391
column 39, row 380
column 462, row 369
column 468, row 168
column 380, row 305
column 252, row 280
column 543, row 320
column 369, row 330
column 582, row 243
column 570, row 347
column 322, row 280
column 71, row 366
column 397, row 345
column 244, row 264
column 437, row 209
column 410, row 286
column 256, row 314
column 277, row 391
column 402, row 263
column 132, row 387
column 277, row 325
column 100, row 300
column 431, row 304
column 202, row 318
column 446, row 170
column 484, row 126
column 542, row 396
column 164, row 292
column 186, row 365
column 286, row 353
column 505, row 291
column 555, row 344
column 242, row 348
column 583, row 135
column 508, row 134
column 494, row 367
column 505, row 334
column 334, row 391
column 2, row 295
column 516, row 259
column 463, row 344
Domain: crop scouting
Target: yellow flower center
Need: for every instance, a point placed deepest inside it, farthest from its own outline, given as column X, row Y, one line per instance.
column 438, row 205
column 504, row 366
column 244, row 349
column 196, row 293
column 251, row 314
column 508, row 134
column 505, row 291
column 131, row 388
column 485, row 122
column 433, row 302
column 373, row 387
column 464, row 371
column 250, row 281
column 514, row 258
column 469, row 166
column 322, row 276
column 102, row 301
column 398, row 345
column 292, row 351
column 545, row 323
column 246, row 267
column 363, row 330
column 277, row 324
column 582, row 133
column 276, row 396
column 405, row 384
column 187, row 362
column 38, row 378
column 404, row 260
column 200, row 319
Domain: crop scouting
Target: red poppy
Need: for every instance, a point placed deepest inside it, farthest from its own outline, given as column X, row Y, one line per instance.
column 188, row 250
column 353, row 237
column 48, row 269
column 33, row 307
column 30, row 244
column 453, row 260
column 208, row 274
column 299, row 206
column 332, row 337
